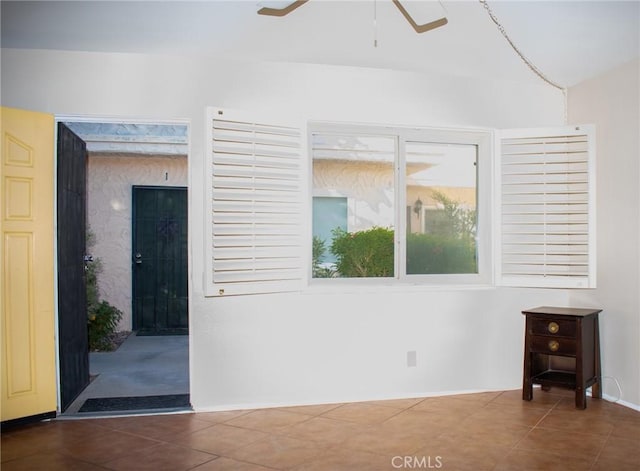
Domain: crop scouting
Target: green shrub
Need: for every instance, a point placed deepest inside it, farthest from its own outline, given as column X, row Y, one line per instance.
column 434, row 254
column 102, row 317
column 91, row 278
column 367, row 253
column 103, row 320
column 461, row 221
column 317, row 268
column 447, row 248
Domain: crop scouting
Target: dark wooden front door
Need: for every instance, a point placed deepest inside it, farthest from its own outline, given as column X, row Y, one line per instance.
column 72, row 300
column 159, row 260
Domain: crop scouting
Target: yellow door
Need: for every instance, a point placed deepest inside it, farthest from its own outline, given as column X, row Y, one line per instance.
column 27, row 276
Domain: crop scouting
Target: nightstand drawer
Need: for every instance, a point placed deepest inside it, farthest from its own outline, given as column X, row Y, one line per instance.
column 557, row 327
column 553, row 346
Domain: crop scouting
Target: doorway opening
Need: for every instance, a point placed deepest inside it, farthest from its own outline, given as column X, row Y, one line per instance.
column 136, row 228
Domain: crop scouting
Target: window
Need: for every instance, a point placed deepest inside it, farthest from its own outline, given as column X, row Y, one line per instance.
column 395, row 205
column 414, row 203
column 442, row 177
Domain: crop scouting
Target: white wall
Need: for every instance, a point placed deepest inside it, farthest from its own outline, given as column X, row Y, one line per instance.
column 109, row 198
column 612, row 102
column 313, row 346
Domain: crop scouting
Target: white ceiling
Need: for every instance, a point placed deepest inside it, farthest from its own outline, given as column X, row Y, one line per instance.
column 567, row 40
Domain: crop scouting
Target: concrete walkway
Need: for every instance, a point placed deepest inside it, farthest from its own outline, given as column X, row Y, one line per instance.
column 141, row 366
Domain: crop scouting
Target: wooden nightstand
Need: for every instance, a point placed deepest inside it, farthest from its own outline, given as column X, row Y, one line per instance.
column 562, row 348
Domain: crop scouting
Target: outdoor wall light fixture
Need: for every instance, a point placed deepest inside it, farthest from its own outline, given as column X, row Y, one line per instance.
column 417, row 206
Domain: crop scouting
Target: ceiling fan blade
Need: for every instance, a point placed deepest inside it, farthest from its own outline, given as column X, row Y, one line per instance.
column 419, row 28
column 281, row 11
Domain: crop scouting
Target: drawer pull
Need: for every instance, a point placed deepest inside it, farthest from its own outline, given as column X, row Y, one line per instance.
column 553, row 327
column 554, row 345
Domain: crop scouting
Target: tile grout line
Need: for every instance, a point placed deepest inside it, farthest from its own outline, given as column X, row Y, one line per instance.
column 604, row 443
column 533, row 427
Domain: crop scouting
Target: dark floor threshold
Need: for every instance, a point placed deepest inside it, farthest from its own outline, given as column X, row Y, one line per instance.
column 22, row 421
column 137, row 403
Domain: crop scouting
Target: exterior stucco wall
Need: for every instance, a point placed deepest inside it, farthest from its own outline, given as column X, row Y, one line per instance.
column 109, row 197
column 370, row 190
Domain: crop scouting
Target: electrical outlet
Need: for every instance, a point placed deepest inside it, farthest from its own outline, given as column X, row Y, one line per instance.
column 412, row 358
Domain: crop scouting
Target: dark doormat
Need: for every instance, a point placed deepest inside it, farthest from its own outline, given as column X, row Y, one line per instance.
column 113, row 404
column 152, row 332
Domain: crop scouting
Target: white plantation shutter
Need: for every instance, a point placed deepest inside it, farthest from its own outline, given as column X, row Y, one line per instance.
column 547, row 212
column 254, row 206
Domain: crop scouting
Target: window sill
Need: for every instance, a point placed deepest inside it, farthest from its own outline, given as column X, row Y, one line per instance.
column 375, row 286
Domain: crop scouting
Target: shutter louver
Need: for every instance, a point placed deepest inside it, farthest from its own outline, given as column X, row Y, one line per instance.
column 255, row 207
column 547, row 211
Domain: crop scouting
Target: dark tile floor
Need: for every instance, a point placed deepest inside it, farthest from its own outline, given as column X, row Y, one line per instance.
column 486, row 431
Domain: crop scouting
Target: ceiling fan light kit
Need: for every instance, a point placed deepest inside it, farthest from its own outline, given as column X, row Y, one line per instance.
column 418, row 28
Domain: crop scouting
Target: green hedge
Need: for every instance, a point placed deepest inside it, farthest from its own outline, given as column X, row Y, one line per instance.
column 432, row 254
column 365, row 253
column 369, row 253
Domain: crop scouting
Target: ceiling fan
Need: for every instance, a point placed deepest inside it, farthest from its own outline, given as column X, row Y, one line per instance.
column 418, row 28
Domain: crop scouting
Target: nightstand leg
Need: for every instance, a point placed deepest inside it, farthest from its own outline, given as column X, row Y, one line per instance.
column 596, row 388
column 581, row 398
column 527, row 388
column 527, row 384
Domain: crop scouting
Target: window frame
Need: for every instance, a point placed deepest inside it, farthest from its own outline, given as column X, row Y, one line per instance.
column 480, row 137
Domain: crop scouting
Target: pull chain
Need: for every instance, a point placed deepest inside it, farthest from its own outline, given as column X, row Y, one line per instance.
column 375, row 23
column 529, row 64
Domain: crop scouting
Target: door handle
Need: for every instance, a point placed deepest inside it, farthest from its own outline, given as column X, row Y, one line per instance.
column 138, row 258
column 87, row 259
